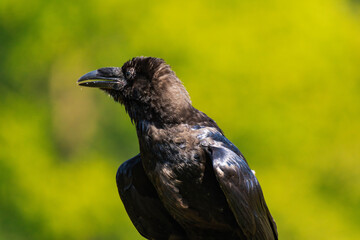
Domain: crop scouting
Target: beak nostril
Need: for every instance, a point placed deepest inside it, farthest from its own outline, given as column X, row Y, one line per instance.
column 110, row 72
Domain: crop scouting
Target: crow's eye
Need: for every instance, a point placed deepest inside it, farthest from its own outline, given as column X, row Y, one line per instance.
column 129, row 73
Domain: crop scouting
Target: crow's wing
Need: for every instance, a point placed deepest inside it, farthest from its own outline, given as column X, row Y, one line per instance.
column 142, row 203
column 243, row 193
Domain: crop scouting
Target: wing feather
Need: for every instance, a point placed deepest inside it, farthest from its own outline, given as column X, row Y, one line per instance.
column 142, row 203
column 243, row 193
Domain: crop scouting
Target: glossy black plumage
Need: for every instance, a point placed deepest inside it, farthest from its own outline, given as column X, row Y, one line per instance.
column 135, row 189
column 189, row 181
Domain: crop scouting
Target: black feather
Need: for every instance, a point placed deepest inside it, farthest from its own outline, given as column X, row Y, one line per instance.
column 189, row 181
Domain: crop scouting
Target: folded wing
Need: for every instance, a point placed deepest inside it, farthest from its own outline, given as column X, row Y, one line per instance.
column 142, row 203
column 243, row 193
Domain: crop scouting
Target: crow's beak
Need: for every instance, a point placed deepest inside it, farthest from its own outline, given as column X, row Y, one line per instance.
column 105, row 78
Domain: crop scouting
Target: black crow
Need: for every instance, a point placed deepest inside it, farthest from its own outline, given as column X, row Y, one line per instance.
column 189, row 181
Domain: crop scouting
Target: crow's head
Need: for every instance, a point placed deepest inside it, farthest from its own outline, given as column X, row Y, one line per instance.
column 146, row 86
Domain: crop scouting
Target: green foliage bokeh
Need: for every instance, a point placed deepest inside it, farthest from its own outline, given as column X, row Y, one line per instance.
column 281, row 78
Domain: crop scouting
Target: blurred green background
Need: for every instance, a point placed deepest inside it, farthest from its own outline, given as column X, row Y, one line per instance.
column 282, row 78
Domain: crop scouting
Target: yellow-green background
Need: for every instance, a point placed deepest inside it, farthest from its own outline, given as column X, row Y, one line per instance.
column 281, row 78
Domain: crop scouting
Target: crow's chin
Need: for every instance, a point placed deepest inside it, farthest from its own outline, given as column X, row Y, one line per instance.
column 114, row 94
